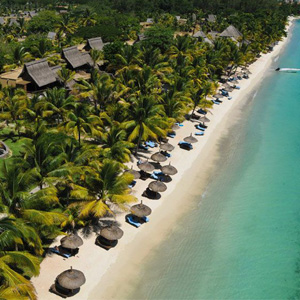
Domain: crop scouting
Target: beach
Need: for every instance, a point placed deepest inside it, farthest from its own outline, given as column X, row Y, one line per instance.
column 109, row 273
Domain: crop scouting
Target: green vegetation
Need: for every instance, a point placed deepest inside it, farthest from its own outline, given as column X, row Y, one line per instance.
column 69, row 147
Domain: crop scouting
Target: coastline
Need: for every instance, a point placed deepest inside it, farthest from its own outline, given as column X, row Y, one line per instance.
column 115, row 268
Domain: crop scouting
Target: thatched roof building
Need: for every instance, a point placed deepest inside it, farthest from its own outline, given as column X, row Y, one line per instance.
column 199, row 34
column 94, row 43
column 212, row 18
column 39, row 73
column 2, row 21
column 51, row 35
column 231, row 31
column 75, row 58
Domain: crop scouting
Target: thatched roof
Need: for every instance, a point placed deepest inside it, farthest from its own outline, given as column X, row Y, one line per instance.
column 87, row 58
column 74, row 57
column 231, row 31
column 51, row 35
column 212, row 18
column 150, row 20
column 199, row 34
column 2, row 21
column 39, row 72
column 213, row 34
column 95, row 43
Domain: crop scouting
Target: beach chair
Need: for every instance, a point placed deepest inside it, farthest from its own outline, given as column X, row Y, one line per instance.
column 133, row 222
column 157, row 175
column 165, row 153
column 185, row 145
column 179, row 124
column 66, row 255
column 132, row 184
column 215, row 102
column 150, row 144
column 199, row 133
column 200, row 127
column 201, row 111
column 224, row 92
column 171, row 135
column 229, row 98
column 146, row 219
column 143, row 147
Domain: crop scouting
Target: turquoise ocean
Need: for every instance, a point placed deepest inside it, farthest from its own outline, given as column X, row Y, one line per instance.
column 241, row 240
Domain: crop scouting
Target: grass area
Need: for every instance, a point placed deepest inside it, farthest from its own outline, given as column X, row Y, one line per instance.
column 14, row 144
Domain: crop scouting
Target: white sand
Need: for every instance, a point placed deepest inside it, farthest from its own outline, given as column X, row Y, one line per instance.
column 110, row 274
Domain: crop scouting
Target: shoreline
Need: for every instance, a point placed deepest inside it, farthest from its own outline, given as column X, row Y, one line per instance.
column 113, row 269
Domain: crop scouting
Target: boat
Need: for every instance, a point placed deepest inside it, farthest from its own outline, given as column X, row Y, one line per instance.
column 288, row 70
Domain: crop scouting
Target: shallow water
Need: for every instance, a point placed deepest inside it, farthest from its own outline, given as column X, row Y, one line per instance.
column 242, row 239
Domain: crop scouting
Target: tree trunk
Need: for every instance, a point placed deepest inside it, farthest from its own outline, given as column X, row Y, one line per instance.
column 139, row 140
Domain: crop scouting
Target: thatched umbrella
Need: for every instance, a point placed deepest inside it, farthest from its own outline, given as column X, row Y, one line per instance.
column 141, row 210
column 158, row 157
column 218, row 96
column 190, row 139
column 226, row 85
column 146, row 167
column 246, row 71
column 112, row 233
column 169, row 170
column 71, row 241
column 175, row 127
column 157, row 186
column 167, row 147
column 135, row 173
column 71, row 279
column 205, row 119
column 224, row 77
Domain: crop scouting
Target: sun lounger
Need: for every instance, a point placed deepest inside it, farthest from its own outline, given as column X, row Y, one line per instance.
column 133, row 222
column 165, row 153
column 157, row 175
column 146, row 219
column 132, row 184
column 171, row 135
column 201, row 111
column 66, row 255
column 199, row 133
column 198, row 126
column 185, row 145
column 143, row 147
column 179, row 124
column 151, row 144
column 229, row 98
column 215, row 102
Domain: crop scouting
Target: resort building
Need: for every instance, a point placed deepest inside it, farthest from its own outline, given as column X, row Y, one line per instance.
column 38, row 74
column 231, row 32
column 212, row 18
column 13, row 79
column 75, row 59
column 94, row 43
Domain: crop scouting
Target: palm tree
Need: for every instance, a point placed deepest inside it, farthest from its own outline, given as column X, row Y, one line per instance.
column 66, row 75
column 115, row 146
column 88, row 18
column 56, row 103
column 81, row 122
column 107, row 186
column 96, row 56
column 145, row 119
column 12, row 263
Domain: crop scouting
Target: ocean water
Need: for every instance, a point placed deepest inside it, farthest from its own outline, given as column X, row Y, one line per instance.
column 242, row 238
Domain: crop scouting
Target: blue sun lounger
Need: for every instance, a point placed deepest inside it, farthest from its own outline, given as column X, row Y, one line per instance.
column 131, row 221
column 215, row 102
column 150, row 144
column 171, row 135
column 132, row 184
column 66, row 255
column 200, row 127
column 199, row 133
column 143, row 147
column 185, row 145
column 179, row 124
column 146, row 219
